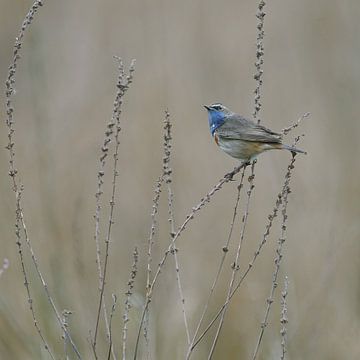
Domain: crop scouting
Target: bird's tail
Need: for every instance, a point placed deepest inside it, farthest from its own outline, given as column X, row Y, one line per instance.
column 292, row 149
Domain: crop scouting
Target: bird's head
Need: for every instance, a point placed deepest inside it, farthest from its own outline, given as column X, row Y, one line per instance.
column 217, row 115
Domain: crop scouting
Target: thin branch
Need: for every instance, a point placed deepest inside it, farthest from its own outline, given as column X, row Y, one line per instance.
column 225, row 250
column 10, row 84
column 228, row 177
column 278, row 258
column 260, row 14
column 251, row 264
column 286, row 130
column 111, row 347
column 109, row 132
column 236, row 264
column 155, row 206
column 167, row 173
column 122, row 86
column 44, row 284
column 284, row 319
column 128, row 294
column 24, row 272
column 65, row 316
column 165, row 176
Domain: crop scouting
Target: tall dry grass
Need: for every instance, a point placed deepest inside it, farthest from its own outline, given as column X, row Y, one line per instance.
column 59, row 176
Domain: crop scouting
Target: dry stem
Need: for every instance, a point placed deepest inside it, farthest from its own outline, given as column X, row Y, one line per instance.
column 128, row 294
column 111, row 347
column 236, row 264
column 167, row 173
column 263, row 241
column 284, row 318
column 13, row 173
column 122, row 86
column 281, row 241
column 225, row 250
column 229, row 176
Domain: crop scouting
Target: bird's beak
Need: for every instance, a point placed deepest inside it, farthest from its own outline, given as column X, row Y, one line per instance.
column 207, row 107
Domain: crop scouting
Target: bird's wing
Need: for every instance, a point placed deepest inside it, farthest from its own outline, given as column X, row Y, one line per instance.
column 239, row 128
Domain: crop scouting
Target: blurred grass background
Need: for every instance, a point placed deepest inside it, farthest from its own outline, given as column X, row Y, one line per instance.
column 188, row 53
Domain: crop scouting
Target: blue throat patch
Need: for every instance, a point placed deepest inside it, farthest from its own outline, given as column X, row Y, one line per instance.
column 216, row 119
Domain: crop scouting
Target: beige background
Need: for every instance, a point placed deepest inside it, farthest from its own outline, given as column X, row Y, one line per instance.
column 188, row 53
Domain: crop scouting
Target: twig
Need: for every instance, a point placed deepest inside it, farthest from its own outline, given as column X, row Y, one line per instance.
column 155, row 206
column 111, row 348
column 165, row 177
column 128, row 300
column 286, row 130
column 263, row 241
column 99, row 192
column 44, row 284
column 10, row 83
column 167, row 173
column 122, row 86
column 279, row 256
column 284, row 318
column 24, row 272
column 65, row 315
column 228, row 177
column 259, row 60
column 236, row 264
column 146, row 335
column 154, row 212
column 225, row 250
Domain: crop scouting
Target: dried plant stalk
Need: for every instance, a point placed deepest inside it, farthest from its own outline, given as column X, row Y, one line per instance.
column 268, row 227
column 284, row 318
column 225, row 250
column 155, row 206
column 236, row 263
column 167, row 173
column 18, row 228
column 122, row 85
column 260, row 14
column 128, row 294
column 279, row 255
column 286, row 130
column 111, row 131
column 17, row 188
column 112, row 312
column 205, row 200
column 65, row 316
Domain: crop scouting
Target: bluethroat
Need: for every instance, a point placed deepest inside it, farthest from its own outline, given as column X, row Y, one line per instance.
column 242, row 138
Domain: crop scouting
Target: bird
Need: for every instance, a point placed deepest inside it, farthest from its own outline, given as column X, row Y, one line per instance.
column 240, row 137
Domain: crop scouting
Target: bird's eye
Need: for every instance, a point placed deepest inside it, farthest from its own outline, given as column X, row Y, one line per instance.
column 218, row 107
